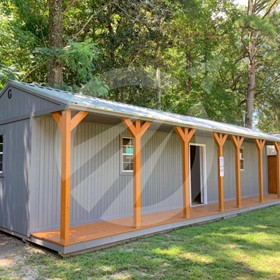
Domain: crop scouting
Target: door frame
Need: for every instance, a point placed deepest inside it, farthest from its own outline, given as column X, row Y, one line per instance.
column 203, row 177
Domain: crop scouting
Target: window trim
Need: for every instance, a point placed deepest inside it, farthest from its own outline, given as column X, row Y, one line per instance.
column 242, row 159
column 124, row 172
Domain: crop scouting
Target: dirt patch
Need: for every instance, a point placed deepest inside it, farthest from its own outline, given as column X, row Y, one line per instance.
column 14, row 254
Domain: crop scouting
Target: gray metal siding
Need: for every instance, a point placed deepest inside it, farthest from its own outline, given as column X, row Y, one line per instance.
column 100, row 191
column 45, row 168
column 14, row 191
column 161, row 172
column 22, row 105
column 249, row 176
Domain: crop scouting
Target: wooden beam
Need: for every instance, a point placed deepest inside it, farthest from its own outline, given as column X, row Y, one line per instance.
column 57, row 118
column 130, row 126
column 277, row 147
column 77, row 119
column 260, row 144
column 66, row 125
column 186, row 184
column 65, row 176
column 185, row 135
column 220, row 140
column 137, row 199
column 189, row 133
column 237, row 142
column 144, row 128
column 137, row 130
column 180, row 133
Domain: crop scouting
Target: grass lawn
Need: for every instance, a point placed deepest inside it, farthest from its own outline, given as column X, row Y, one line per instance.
column 244, row 247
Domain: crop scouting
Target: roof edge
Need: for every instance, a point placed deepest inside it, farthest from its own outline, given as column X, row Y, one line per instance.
column 265, row 136
column 34, row 91
column 70, row 100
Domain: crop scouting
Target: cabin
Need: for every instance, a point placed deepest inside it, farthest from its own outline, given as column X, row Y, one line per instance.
column 80, row 173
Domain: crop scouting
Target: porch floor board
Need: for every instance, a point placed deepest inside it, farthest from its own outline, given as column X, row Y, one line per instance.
column 88, row 232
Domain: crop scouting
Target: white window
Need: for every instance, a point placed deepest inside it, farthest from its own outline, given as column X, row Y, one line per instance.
column 127, row 154
column 1, row 153
column 241, row 159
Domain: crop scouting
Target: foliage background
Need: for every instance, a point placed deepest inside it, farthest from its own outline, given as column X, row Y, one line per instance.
column 114, row 50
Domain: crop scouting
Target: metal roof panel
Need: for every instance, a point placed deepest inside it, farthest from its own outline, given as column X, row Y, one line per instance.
column 89, row 103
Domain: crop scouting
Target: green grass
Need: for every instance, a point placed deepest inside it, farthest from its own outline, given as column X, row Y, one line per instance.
column 244, row 247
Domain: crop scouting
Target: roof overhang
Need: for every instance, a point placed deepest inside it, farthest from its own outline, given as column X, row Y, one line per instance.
column 171, row 124
column 112, row 109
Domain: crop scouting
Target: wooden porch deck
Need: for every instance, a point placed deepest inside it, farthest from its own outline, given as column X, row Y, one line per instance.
column 88, row 232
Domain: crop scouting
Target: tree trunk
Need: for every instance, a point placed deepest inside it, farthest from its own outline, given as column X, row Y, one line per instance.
column 158, row 82
column 251, row 73
column 251, row 84
column 188, row 68
column 55, row 67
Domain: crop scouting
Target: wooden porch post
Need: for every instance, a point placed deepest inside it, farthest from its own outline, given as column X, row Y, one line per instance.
column 237, row 142
column 66, row 125
column 277, row 147
column 220, row 140
column 136, row 130
column 185, row 135
column 260, row 144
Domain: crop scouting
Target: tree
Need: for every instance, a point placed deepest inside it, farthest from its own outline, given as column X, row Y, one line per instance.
column 56, row 64
column 191, row 54
column 18, row 38
column 131, row 36
column 268, row 102
column 259, row 30
column 207, row 71
column 55, row 67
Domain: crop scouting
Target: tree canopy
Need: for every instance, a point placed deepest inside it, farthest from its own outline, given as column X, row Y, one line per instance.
column 211, row 59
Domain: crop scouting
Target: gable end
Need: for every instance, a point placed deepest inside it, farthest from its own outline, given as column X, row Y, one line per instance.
column 16, row 104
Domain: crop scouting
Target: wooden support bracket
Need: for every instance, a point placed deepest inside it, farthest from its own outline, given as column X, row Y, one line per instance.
column 185, row 134
column 136, row 130
column 57, row 118
column 237, row 142
column 260, row 145
column 73, row 122
column 220, row 140
column 77, row 119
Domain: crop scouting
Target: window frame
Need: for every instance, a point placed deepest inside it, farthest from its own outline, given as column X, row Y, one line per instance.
column 122, row 154
column 241, row 158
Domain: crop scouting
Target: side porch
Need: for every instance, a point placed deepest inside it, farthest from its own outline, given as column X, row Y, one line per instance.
column 107, row 233
column 67, row 238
